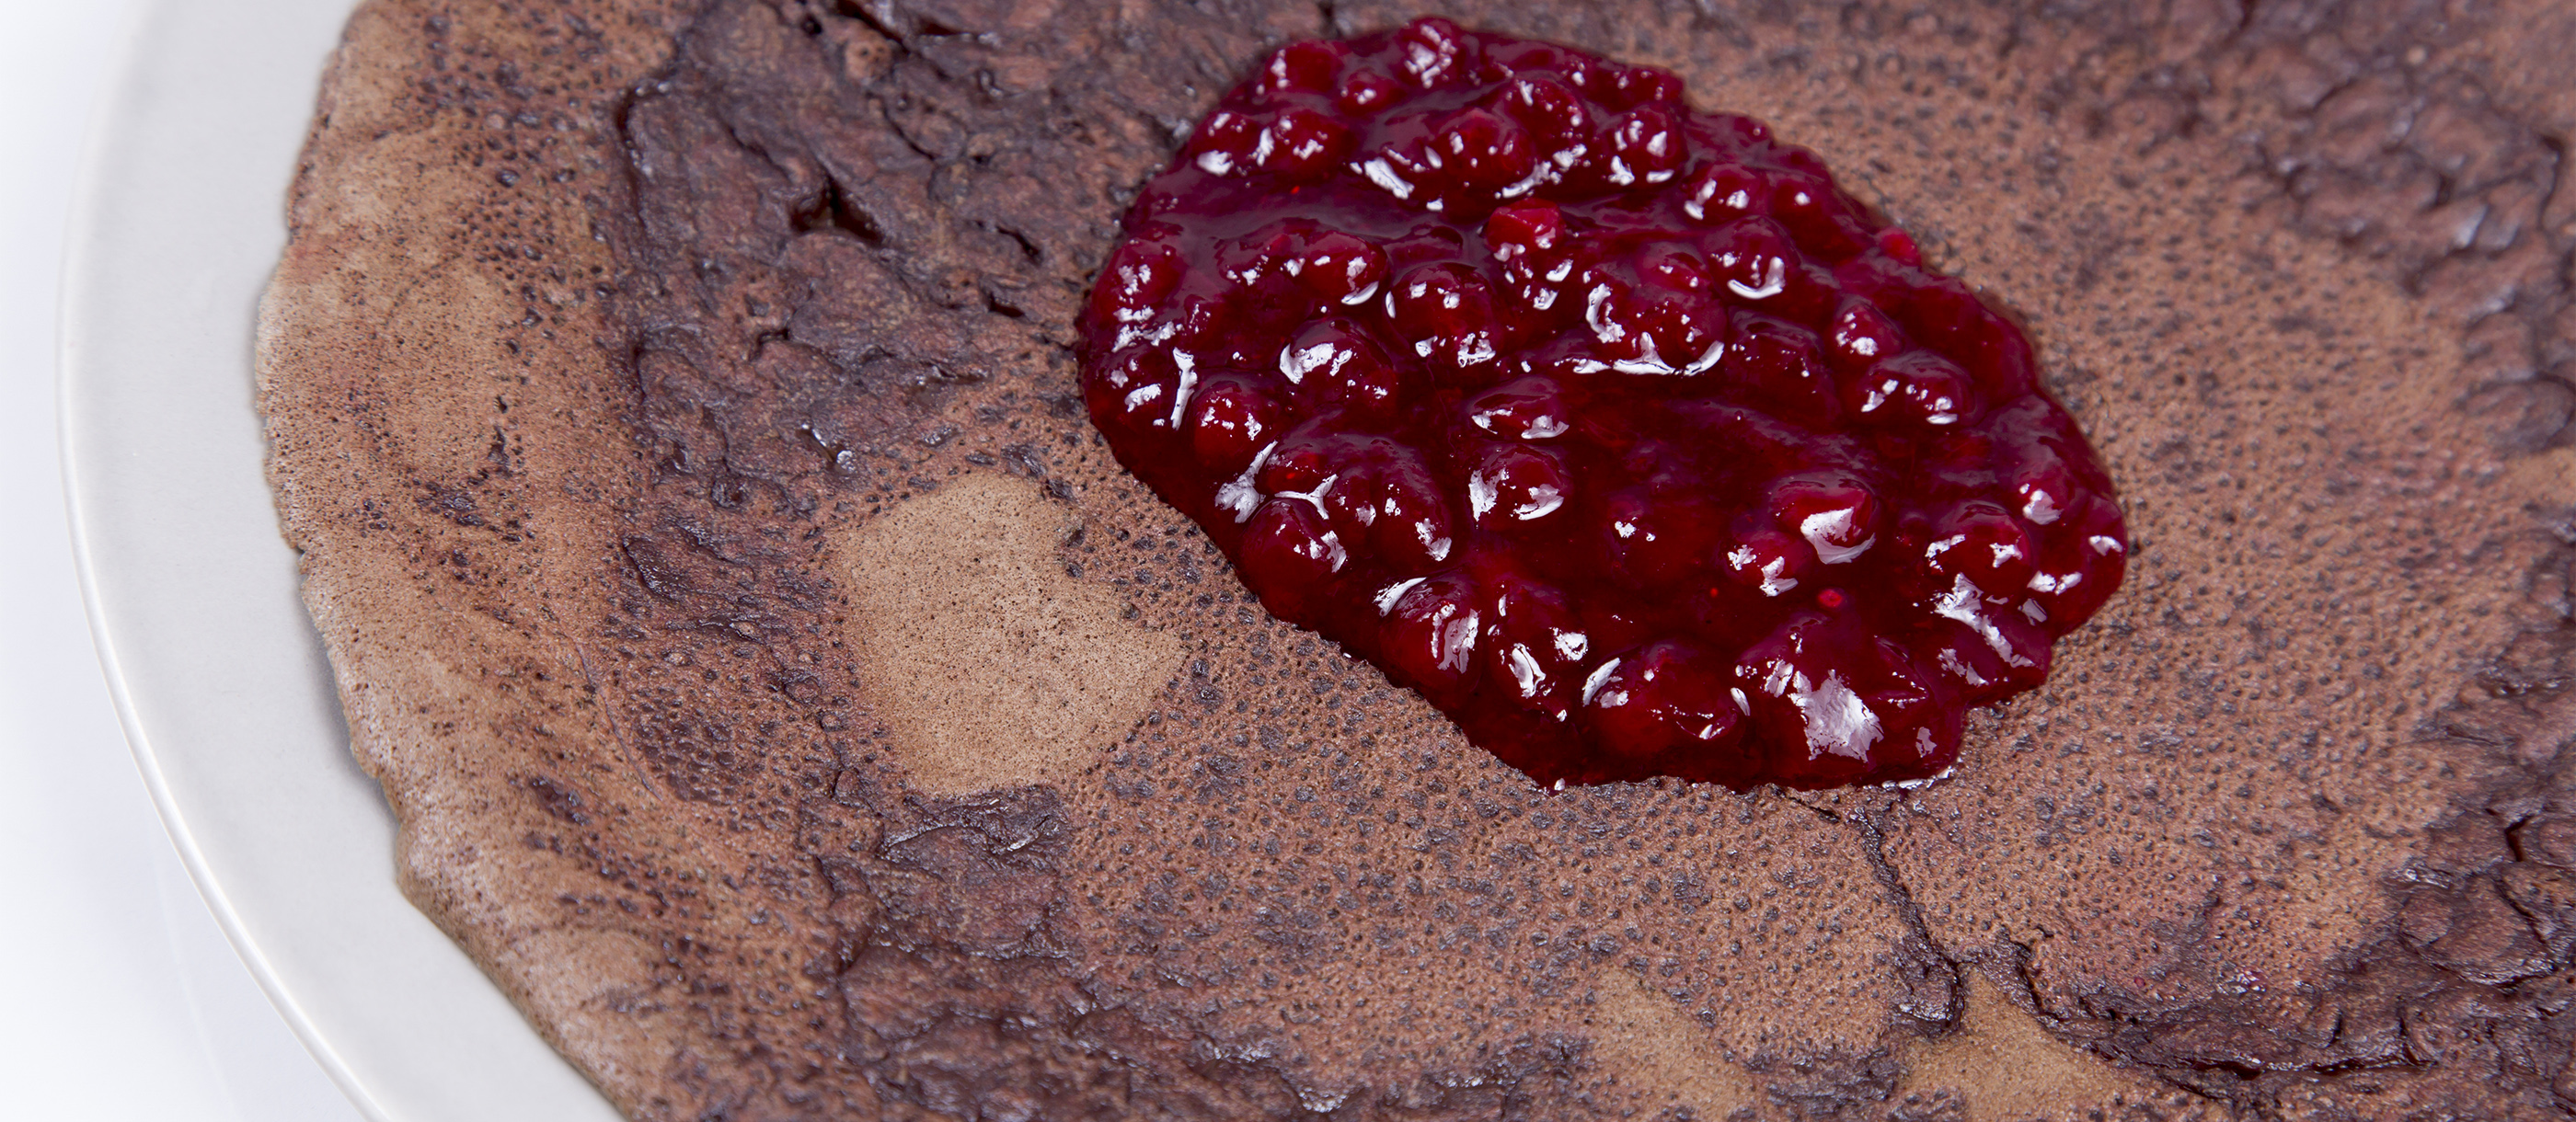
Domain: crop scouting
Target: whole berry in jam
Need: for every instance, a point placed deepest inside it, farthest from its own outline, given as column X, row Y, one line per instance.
column 1613, row 427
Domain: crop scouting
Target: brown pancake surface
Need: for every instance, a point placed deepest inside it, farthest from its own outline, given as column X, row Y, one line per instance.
column 793, row 707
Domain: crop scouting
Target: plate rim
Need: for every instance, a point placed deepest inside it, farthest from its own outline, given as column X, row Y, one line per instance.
column 105, row 134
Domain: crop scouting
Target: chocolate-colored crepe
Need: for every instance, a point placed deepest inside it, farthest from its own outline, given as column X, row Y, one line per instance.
column 791, row 705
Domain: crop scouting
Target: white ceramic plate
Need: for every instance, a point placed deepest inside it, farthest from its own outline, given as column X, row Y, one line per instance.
column 219, row 677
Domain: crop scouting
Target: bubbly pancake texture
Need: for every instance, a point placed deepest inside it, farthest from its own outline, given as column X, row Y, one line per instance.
column 656, row 390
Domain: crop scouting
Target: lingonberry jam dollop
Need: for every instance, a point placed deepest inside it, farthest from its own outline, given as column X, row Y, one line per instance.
column 1613, row 427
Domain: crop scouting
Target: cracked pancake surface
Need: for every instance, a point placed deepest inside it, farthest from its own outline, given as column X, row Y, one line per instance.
column 620, row 353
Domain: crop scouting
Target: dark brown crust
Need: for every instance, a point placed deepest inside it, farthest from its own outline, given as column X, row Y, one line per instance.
column 577, row 482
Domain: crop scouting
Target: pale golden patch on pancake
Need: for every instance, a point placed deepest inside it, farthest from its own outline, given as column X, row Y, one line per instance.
column 2547, row 473
column 1646, row 1036
column 989, row 665
column 2006, row 1067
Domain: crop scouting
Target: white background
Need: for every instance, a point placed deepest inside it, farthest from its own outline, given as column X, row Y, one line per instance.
column 123, row 1001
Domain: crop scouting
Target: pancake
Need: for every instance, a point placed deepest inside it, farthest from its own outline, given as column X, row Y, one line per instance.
column 792, row 706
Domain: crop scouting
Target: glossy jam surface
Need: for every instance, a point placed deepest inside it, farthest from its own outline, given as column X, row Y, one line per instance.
column 1613, row 427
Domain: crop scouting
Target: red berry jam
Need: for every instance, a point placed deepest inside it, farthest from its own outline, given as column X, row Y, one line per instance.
column 1611, row 426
